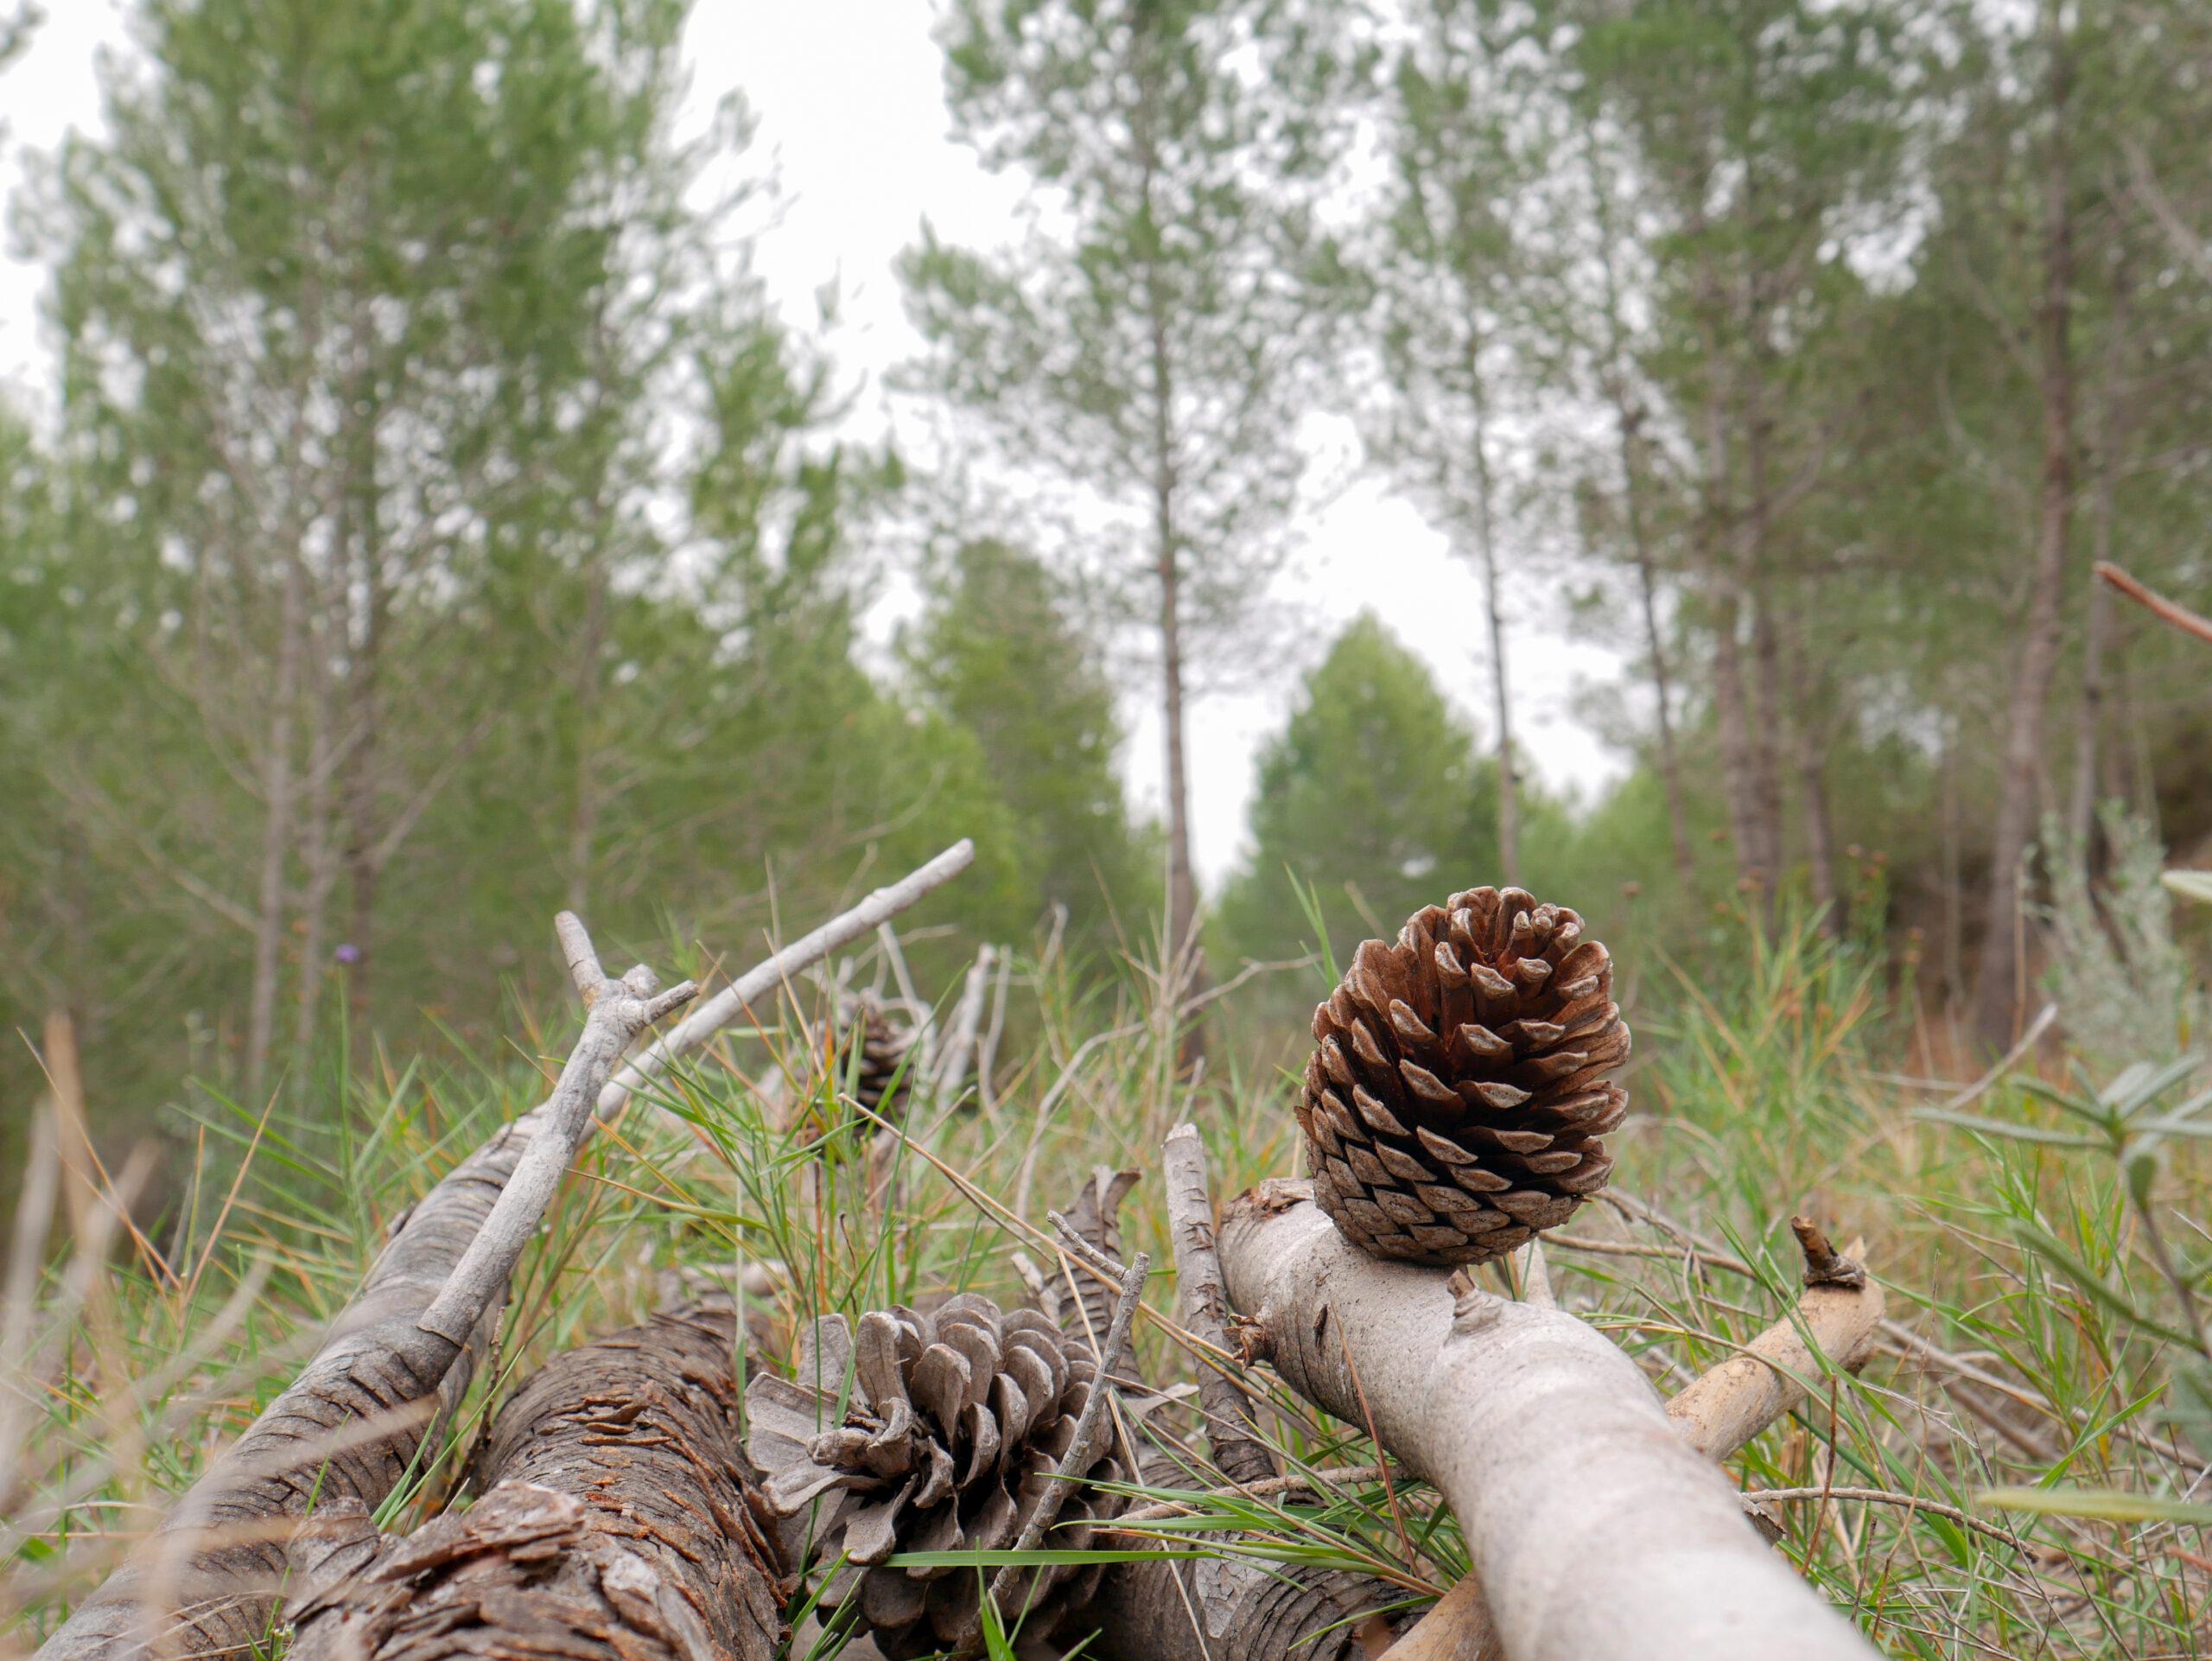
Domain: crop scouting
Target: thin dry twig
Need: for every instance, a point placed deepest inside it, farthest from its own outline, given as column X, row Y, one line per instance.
column 1084, row 1450
column 2157, row 605
column 1885, row 1497
column 618, row 1011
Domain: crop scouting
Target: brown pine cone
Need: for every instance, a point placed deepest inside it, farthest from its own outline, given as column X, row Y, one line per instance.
column 953, row 1426
column 884, row 1079
column 1452, row 1107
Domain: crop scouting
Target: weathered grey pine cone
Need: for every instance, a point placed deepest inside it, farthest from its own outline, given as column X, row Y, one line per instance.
column 953, row 1427
column 1453, row 1104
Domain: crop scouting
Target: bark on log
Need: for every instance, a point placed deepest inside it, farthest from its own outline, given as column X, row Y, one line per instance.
column 1743, row 1395
column 1227, row 1609
column 1717, row 1414
column 351, row 1425
column 348, row 1429
column 1239, row 1453
column 1598, row 1533
column 615, row 1526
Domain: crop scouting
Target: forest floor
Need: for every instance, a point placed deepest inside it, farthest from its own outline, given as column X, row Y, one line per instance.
column 2033, row 1339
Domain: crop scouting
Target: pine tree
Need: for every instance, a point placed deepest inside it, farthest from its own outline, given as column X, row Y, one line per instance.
column 1372, row 798
column 1148, row 343
column 996, row 653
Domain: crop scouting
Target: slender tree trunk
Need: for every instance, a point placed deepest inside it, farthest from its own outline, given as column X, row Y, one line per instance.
column 1508, row 805
column 364, row 868
column 1811, row 759
column 276, row 797
column 1955, row 973
column 1182, row 883
column 583, row 820
column 1766, row 653
column 1766, row 740
column 1628, row 427
column 1733, row 721
column 1724, row 576
column 1187, row 961
column 321, row 864
column 1670, row 769
column 2080, row 812
column 1996, row 1012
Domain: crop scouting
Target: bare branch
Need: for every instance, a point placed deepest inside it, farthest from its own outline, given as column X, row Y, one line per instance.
column 2156, row 603
column 1239, row 1453
column 620, row 1010
column 738, row 998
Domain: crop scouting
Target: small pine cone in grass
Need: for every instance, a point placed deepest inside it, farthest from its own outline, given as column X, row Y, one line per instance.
column 884, row 1077
column 1452, row 1108
column 954, row 1424
column 880, row 1077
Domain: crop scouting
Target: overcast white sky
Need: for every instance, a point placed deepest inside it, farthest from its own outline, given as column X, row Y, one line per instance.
column 852, row 115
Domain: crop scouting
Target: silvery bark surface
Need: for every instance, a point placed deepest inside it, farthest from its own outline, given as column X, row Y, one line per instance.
column 1597, row 1532
column 1226, row 1608
column 1239, row 1453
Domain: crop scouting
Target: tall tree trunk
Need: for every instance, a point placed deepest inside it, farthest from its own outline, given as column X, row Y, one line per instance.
column 1732, row 722
column 1186, row 960
column 1811, row 759
column 1955, row 973
column 1724, row 576
column 1670, row 771
column 1766, row 652
column 1509, row 806
column 1182, row 883
column 319, row 861
column 583, row 819
column 276, row 815
column 1628, row 429
column 1996, row 1012
column 364, row 666
column 2080, row 812
column 1766, row 741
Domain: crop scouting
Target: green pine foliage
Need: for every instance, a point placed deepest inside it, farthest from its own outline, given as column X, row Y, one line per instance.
column 996, row 655
column 1372, row 799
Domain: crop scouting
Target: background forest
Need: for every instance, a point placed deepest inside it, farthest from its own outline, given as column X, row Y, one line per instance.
column 431, row 522
column 438, row 527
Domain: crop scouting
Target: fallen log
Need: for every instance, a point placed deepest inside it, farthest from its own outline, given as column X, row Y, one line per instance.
column 1597, row 1532
column 362, row 1413
column 1839, row 1311
column 614, row 1523
column 358, row 1417
column 1229, row 1609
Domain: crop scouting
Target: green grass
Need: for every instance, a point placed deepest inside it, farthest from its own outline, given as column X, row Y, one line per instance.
column 1769, row 1090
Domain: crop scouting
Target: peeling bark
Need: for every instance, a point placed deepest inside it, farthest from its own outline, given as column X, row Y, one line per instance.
column 615, row 1525
column 1597, row 1532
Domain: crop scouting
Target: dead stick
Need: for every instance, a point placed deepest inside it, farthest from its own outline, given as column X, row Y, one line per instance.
column 378, row 1358
column 1717, row 1415
column 1238, row 1453
column 2156, row 603
column 1539, row 1432
column 1083, row 1452
column 618, row 1011
column 741, row 996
